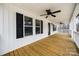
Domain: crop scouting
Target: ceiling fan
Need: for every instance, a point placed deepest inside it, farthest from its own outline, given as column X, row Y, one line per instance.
column 48, row 12
column 59, row 22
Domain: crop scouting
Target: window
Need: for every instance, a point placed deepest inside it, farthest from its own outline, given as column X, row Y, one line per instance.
column 54, row 27
column 39, row 26
column 77, row 24
column 28, row 26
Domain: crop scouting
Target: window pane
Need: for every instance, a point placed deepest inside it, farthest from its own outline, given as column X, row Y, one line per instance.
column 54, row 27
column 37, row 22
column 28, row 20
column 28, row 31
column 77, row 27
column 37, row 30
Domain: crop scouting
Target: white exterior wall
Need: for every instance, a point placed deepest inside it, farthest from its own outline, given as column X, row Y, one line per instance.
column 1, row 26
column 8, row 39
column 75, row 35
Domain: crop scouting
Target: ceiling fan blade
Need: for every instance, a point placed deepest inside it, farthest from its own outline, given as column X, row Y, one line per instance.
column 53, row 15
column 46, row 16
column 43, row 14
column 56, row 11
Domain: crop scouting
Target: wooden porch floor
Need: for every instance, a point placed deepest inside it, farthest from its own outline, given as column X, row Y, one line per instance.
column 54, row 45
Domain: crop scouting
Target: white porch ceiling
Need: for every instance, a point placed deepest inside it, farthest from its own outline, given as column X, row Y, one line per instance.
column 39, row 8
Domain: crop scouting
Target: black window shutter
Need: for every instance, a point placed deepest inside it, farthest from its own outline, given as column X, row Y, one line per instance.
column 41, row 26
column 19, row 25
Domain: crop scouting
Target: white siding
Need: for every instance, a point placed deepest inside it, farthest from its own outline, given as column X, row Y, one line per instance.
column 9, row 41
